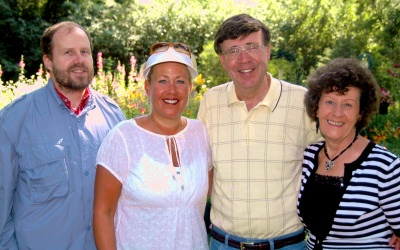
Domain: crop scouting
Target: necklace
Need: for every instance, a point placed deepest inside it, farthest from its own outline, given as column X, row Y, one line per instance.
column 329, row 164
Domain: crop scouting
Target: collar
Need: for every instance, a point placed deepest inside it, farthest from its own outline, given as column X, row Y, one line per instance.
column 270, row 100
column 67, row 102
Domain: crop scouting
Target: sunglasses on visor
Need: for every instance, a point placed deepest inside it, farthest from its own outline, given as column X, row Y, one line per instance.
column 164, row 46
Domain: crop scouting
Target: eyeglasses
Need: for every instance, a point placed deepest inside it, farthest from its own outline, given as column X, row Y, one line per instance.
column 164, row 46
column 251, row 49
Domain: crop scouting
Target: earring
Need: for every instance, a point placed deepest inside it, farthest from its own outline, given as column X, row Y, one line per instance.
column 317, row 125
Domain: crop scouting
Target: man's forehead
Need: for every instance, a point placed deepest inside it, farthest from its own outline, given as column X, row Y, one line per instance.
column 67, row 36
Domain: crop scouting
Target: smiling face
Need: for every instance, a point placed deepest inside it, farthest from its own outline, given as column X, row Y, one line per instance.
column 168, row 88
column 246, row 71
column 338, row 114
column 71, row 62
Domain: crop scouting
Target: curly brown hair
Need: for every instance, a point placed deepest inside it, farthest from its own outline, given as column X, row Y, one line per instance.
column 337, row 76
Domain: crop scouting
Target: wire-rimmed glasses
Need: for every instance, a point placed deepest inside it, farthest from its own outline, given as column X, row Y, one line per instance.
column 251, row 49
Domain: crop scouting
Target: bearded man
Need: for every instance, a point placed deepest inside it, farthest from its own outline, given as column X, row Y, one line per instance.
column 48, row 145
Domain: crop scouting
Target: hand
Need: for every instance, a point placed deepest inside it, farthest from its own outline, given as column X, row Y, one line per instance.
column 395, row 241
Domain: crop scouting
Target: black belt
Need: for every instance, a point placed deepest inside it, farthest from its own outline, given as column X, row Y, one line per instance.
column 259, row 245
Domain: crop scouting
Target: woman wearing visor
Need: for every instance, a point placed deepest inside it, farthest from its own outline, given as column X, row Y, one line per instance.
column 152, row 171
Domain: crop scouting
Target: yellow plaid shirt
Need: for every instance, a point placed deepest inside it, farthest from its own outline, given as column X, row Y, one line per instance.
column 257, row 157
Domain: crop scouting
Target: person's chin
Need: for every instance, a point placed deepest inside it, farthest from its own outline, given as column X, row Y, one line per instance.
column 80, row 86
column 173, row 114
column 332, row 137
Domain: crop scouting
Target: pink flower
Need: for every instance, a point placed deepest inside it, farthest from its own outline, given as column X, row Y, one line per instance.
column 386, row 96
column 121, row 69
column 21, row 64
column 99, row 60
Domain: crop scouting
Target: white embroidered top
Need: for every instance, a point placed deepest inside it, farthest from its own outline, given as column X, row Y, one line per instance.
column 159, row 208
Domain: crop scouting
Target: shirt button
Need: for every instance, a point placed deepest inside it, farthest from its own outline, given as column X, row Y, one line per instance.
column 86, row 173
column 89, row 228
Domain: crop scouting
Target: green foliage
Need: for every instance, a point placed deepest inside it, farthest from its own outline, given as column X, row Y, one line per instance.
column 305, row 34
column 55, row 10
column 210, row 66
column 326, row 29
column 130, row 29
column 20, row 34
column 286, row 70
column 384, row 129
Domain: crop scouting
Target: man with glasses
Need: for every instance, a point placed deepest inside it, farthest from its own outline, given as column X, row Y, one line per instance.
column 258, row 129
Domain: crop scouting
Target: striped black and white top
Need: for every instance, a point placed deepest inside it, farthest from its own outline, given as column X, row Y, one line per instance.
column 368, row 210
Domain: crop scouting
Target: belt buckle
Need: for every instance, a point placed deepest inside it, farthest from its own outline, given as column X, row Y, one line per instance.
column 242, row 245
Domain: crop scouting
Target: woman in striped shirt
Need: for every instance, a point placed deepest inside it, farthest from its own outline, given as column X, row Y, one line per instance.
column 350, row 193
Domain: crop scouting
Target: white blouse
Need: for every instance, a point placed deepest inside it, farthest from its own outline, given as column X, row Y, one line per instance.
column 161, row 206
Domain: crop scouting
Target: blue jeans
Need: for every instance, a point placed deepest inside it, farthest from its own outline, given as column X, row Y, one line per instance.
column 216, row 245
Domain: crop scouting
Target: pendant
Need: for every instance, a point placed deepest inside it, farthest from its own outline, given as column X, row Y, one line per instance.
column 329, row 165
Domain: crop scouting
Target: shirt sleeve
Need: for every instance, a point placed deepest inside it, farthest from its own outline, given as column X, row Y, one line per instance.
column 201, row 116
column 113, row 154
column 389, row 195
column 208, row 148
column 8, row 181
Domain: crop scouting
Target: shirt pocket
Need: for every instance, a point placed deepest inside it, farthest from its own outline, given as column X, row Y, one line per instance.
column 46, row 172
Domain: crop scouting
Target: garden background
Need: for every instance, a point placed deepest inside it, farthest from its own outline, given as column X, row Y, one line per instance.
column 305, row 35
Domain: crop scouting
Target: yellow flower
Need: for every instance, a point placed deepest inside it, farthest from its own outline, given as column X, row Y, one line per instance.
column 199, row 80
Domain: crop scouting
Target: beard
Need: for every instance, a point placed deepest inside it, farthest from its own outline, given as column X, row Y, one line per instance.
column 64, row 79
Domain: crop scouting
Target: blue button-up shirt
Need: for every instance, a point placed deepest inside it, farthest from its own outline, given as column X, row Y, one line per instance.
column 47, row 169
